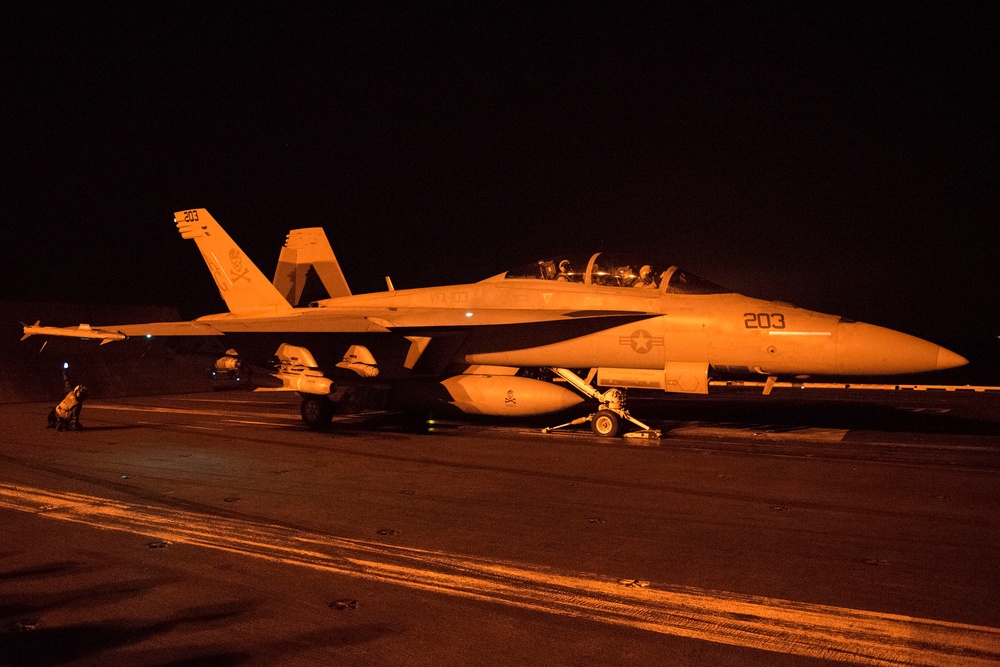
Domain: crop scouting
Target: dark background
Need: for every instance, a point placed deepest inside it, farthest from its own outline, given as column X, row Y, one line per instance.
column 842, row 158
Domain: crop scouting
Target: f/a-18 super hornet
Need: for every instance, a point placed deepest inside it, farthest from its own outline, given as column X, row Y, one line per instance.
column 534, row 340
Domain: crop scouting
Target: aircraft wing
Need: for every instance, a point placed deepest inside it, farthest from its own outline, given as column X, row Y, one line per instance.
column 340, row 320
column 403, row 319
column 107, row 334
column 451, row 318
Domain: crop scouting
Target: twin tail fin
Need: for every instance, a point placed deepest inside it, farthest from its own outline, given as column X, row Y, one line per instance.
column 242, row 285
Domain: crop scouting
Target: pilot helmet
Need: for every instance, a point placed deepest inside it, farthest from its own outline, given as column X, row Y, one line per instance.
column 564, row 266
column 645, row 271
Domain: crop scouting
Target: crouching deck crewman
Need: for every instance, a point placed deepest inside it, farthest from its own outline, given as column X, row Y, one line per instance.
column 66, row 415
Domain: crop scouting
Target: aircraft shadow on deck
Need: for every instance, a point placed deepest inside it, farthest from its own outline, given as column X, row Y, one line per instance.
column 666, row 413
column 850, row 415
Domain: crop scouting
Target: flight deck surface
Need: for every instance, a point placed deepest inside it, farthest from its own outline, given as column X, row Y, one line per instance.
column 215, row 529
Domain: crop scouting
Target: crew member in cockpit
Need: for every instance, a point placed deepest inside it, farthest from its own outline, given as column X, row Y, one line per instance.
column 565, row 269
column 626, row 276
column 646, row 278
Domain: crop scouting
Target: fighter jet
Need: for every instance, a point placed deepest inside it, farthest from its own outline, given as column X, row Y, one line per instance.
column 533, row 340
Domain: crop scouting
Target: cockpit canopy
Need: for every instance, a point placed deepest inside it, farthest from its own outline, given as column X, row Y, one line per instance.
column 608, row 271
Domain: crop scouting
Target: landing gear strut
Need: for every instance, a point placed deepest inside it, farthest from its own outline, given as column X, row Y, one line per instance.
column 607, row 421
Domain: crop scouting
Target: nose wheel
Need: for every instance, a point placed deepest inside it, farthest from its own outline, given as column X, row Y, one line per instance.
column 606, row 423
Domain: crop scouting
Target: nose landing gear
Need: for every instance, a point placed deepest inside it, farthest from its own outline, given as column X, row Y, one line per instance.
column 607, row 421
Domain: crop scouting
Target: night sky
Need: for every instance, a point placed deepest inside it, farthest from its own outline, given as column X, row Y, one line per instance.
column 842, row 158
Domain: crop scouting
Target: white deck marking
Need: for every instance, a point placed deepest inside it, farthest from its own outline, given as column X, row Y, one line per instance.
column 760, row 432
column 770, row 624
column 253, row 423
column 91, row 405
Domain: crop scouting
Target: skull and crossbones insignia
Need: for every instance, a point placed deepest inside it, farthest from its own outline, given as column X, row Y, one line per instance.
column 236, row 259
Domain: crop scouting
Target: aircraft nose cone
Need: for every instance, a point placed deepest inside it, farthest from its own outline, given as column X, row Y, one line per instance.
column 866, row 349
column 948, row 359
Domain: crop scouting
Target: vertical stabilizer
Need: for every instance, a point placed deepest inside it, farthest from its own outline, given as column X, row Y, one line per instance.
column 240, row 282
column 307, row 249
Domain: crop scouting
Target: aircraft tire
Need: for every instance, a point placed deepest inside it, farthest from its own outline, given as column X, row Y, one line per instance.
column 606, row 423
column 317, row 412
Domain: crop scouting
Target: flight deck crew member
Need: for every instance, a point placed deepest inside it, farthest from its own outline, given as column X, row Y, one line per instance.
column 66, row 415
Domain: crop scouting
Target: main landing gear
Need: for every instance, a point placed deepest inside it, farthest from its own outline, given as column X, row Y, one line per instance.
column 317, row 411
column 611, row 413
